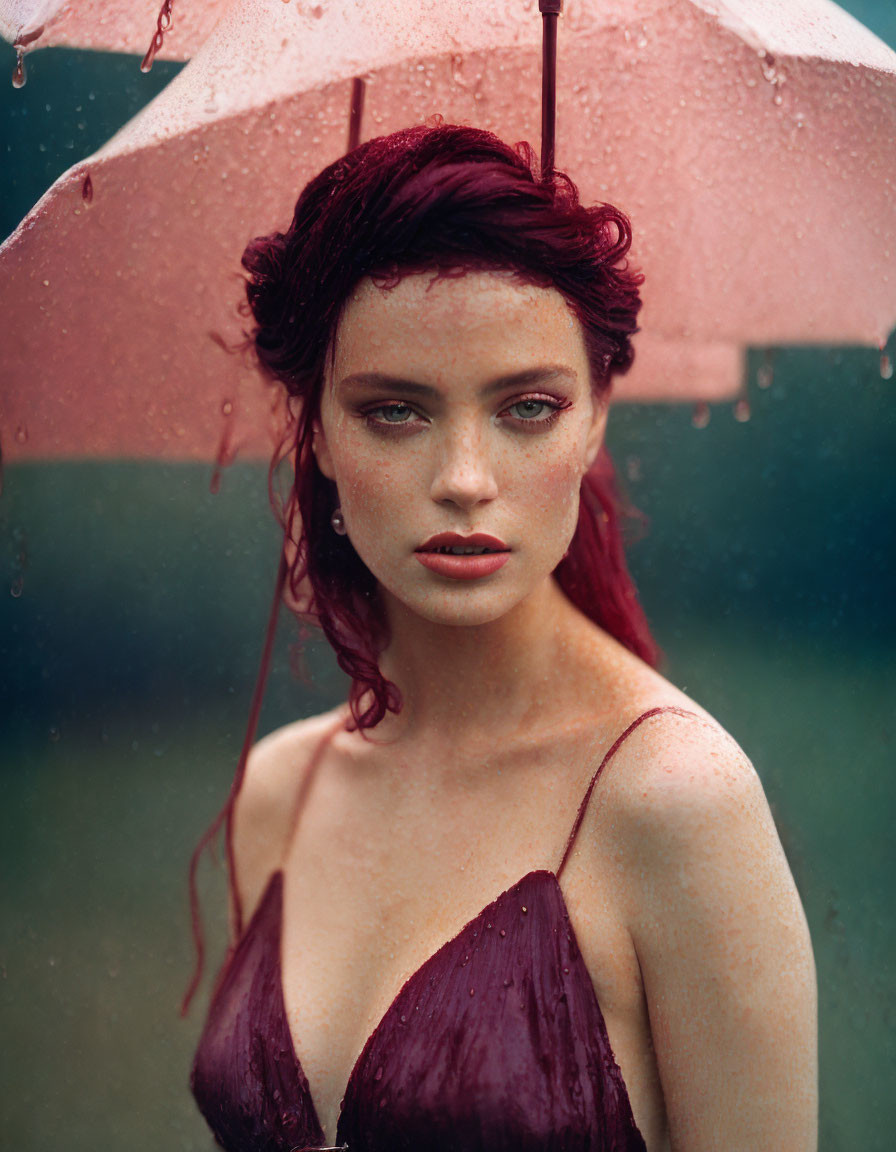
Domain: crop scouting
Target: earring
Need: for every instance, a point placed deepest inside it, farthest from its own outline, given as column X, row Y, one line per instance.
column 338, row 522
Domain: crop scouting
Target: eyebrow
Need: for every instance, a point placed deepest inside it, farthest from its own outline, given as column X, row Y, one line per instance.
column 528, row 378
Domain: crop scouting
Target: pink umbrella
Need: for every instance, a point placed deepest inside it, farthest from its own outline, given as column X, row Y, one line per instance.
column 751, row 145
column 107, row 25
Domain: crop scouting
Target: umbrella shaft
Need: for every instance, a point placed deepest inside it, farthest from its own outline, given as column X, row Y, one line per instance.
column 550, row 10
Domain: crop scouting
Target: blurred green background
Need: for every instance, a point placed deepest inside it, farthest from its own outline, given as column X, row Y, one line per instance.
column 132, row 605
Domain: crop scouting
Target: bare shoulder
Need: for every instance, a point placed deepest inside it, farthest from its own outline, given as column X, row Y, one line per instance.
column 680, row 768
column 264, row 810
column 720, row 935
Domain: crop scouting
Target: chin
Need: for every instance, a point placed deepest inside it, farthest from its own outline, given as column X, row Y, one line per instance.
column 460, row 606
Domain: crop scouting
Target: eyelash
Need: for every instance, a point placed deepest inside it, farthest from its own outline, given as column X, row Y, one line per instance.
column 535, row 424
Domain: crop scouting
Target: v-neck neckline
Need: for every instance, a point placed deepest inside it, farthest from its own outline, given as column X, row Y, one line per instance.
column 276, row 883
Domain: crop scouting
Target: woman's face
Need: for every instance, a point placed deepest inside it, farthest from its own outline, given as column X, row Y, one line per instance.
column 456, row 408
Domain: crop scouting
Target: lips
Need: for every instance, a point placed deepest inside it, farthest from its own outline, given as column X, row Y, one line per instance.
column 448, row 543
column 463, row 557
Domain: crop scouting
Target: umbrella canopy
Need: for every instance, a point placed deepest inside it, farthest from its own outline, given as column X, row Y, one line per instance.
column 107, row 25
column 751, row 145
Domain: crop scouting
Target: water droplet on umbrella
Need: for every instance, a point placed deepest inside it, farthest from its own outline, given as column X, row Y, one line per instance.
column 886, row 367
column 18, row 72
column 701, row 414
column 87, row 190
column 742, row 410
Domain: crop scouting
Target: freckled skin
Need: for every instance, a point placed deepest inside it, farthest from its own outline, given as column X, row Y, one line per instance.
column 688, row 919
column 460, row 466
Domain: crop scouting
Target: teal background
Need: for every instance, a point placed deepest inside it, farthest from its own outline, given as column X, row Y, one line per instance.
column 132, row 605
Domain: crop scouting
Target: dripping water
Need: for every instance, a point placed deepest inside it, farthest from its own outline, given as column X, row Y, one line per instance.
column 163, row 25
column 701, row 414
column 226, row 453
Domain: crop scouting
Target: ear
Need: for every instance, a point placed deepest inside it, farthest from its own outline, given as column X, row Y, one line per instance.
column 595, row 435
column 321, row 451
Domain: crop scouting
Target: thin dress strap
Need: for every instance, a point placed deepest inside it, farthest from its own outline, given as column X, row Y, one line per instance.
column 617, row 744
column 307, row 780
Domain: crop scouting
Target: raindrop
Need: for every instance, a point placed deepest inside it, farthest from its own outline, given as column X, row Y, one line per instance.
column 17, row 586
column 525, row 909
column 502, row 932
column 54, row 733
column 701, row 414
column 403, row 1019
column 742, row 410
column 378, row 1075
column 87, row 190
column 18, row 72
column 886, row 367
column 766, row 374
column 163, row 24
column 21, row 434
column 472, row 991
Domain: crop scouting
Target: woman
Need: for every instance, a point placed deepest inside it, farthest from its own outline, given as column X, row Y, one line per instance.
column 520, row 893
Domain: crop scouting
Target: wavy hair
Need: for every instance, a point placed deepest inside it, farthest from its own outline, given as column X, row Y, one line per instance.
column 447, row 199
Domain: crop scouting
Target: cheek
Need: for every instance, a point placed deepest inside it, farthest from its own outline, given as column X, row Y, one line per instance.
column 555, row 476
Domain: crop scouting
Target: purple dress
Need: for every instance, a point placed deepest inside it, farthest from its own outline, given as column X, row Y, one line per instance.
column 496, row 1043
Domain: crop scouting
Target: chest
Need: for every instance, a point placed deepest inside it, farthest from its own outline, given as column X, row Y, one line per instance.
column 370, row 930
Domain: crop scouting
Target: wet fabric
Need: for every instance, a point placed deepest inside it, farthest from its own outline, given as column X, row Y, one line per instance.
column 496, row 1043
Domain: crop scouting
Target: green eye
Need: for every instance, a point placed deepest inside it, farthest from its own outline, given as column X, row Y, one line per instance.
column 393, row 413
column 530, row 409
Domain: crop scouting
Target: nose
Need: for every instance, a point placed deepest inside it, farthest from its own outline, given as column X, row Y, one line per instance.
column 464, row 473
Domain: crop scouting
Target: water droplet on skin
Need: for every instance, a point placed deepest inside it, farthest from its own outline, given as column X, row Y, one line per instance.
column 21, row 434
column 87, row 190
column 226, row 408
column 701, row 414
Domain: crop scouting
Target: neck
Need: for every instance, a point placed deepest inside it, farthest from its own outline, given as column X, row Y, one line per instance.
column 458, row 681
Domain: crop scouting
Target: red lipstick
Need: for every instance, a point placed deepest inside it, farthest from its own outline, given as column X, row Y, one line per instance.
column 447, row 555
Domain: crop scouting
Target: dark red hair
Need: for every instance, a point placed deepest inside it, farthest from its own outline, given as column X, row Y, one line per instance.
column 447, row 199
